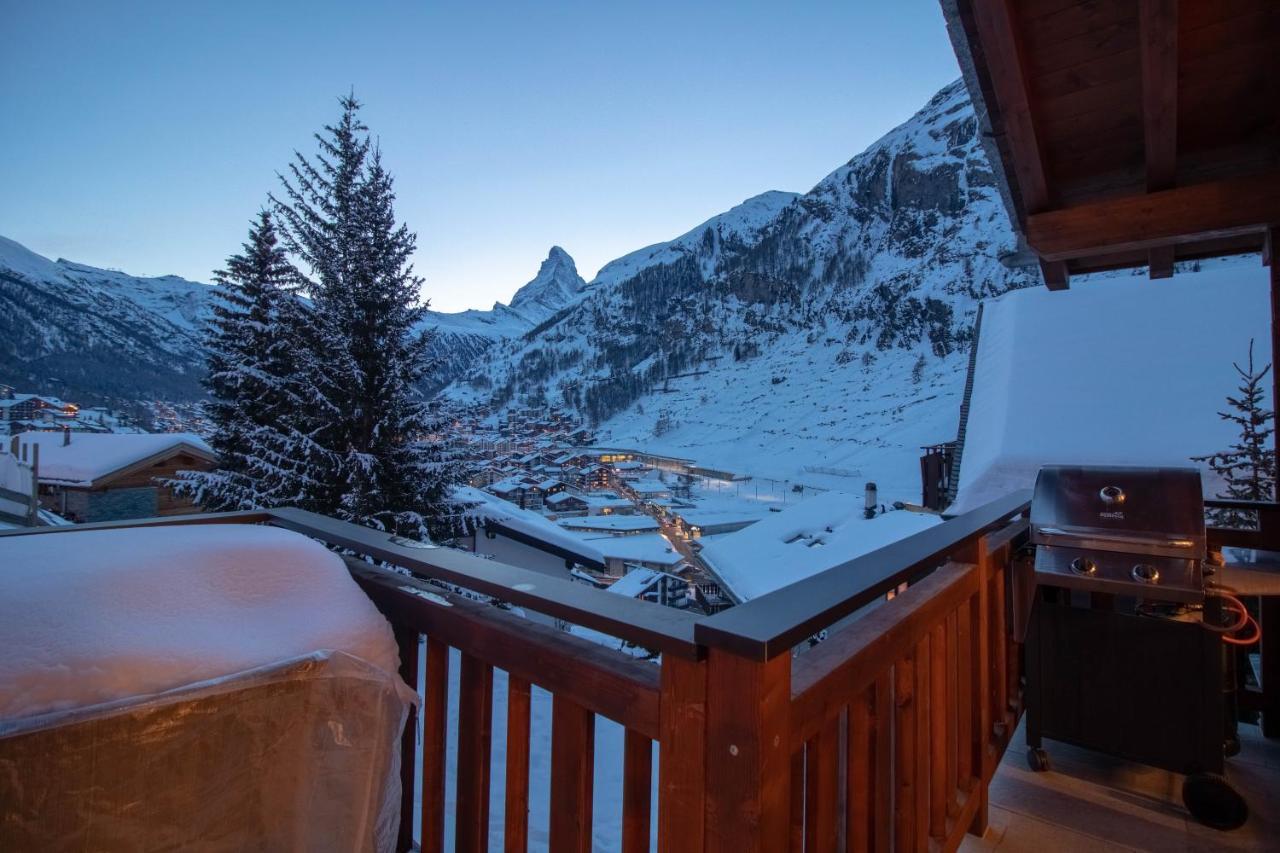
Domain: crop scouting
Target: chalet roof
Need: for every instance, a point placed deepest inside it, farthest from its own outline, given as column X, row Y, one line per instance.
column 644, row 548
column 812, row 536
column 527, row 527
column 635, row 583
column 564, row 497
column 1127, row 134
column 617, row 523
column 93, row 457
column 1104, row 374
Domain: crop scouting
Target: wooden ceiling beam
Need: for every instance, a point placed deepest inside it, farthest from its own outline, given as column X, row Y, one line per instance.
column 995, row 22
column 1224, row 208
column 1158, row 49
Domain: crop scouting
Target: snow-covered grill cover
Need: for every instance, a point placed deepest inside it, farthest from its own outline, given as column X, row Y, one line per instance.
column 220, row 687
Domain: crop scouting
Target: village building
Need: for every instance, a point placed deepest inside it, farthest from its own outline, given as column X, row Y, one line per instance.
column 615, row 525
column 564, row 503
column 650, row 551
column 696, row 523
column 651, row 585
column 518, row 537
column 821, row 533
column 108, row 477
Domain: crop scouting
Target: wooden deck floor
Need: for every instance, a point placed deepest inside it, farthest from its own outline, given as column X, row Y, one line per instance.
column 1091, row 802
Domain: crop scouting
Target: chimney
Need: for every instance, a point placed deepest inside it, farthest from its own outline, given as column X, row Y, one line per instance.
column 66, row 436
column 872, row 501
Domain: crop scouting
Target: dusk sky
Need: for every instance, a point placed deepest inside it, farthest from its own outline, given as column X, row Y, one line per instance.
column 143, row 136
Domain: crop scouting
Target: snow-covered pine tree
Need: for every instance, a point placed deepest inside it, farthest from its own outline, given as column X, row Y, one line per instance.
column 257, row 354
column 1248, row 467
column 392, row 469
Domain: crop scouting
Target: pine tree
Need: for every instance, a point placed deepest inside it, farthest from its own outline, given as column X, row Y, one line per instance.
column 1248, row 467
column 256, row 352
column 391, row 468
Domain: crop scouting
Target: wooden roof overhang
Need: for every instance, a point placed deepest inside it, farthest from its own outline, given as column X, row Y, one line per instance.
column 1128, row 133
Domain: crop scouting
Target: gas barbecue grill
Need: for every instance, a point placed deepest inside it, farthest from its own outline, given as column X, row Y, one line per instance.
column 1118, row 657
column 1122, row 531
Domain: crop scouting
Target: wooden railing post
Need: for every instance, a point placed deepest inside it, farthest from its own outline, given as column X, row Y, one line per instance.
column 980, row 624
column 407, row 641
column 748, row 747
column 682, row 755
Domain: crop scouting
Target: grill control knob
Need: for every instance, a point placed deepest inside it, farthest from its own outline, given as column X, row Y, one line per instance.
column 1084, row 566
column 1112, row 495
column 1145, row 573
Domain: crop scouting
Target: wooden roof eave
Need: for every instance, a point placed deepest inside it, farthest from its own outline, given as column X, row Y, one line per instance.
column 1124, row 177
column 142, row 464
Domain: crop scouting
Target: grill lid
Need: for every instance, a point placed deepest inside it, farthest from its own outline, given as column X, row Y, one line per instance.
column 1157, row 511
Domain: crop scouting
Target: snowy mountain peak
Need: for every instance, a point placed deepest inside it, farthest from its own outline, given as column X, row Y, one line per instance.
column 555, row 286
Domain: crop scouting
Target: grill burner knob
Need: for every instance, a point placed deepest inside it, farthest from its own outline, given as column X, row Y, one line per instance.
column 1084, row 566
column 1112, row 495
column 1145, row 573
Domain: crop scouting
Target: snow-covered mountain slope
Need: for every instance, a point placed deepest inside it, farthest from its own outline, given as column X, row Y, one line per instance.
column 737, row 227
column 93, row 334
column 825, row 342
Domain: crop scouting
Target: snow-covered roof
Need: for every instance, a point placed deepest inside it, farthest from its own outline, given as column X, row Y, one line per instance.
column 602, row 502
column 563, row 497
column 696, row 517
column 635, row 582
column 805, row 539
column 533, row 528
column 611, row 522
column 1115, row 372
column 511, row 484
column 88, row 617
column 92, row 456
column 645, row 548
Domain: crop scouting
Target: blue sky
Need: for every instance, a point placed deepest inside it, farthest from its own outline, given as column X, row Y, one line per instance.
column 144, row 135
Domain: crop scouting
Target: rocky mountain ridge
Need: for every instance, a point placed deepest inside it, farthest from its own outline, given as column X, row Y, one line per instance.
column 833, row 330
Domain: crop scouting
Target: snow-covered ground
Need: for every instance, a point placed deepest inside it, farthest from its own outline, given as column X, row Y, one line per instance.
column 825, row 426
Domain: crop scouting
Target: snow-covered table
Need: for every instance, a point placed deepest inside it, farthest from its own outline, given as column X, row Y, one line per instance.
column 222, row 684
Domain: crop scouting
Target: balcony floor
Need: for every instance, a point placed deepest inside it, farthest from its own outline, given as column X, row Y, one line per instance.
column 1092, row 802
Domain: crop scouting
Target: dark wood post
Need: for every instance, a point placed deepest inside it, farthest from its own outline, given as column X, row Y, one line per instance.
column 682, row 755
column 407, row 640
column 748, row 753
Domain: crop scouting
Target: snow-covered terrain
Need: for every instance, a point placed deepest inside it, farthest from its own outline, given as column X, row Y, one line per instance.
column 818, row 339
column 90, row 333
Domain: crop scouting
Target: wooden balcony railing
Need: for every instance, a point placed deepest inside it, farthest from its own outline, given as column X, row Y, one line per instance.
column 883, row 736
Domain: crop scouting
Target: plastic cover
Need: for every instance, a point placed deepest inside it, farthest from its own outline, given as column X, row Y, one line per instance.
column 300, row 755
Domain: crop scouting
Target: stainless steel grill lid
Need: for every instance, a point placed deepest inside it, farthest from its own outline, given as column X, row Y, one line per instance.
column 1154, row 511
